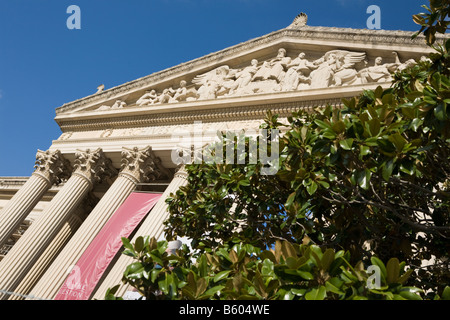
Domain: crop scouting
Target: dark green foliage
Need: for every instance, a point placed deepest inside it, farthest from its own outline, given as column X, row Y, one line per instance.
column 369, row 179
column 244, row 272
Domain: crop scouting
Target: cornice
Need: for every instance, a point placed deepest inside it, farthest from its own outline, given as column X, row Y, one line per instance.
column 363, row 36
column 184, row 117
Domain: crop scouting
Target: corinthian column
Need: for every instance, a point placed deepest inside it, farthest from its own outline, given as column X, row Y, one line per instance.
column 138, row 165
column 152, row 226
column 72, row 224
column 50, row 168
column 90, row 168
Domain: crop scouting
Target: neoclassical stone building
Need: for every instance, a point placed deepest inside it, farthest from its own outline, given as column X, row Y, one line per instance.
column 122, row 141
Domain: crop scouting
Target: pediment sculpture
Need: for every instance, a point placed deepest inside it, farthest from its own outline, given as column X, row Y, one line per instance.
column 282, row 73
column 119, row 104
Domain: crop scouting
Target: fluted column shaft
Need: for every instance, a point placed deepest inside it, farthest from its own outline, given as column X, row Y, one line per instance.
column 137, row 164
column 48, row 167
column 21, row 258
column 152, row 226
column 47, row 257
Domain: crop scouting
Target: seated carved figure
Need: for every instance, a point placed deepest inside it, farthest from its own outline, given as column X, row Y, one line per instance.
column 181, row 93
column 149, row 98
column 165, row 96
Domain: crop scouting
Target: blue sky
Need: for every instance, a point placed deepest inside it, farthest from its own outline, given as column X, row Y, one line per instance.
column 43, row 64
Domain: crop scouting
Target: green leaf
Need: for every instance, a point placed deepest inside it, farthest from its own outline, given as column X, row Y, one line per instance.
column 392, row 270
column 267, row 268
column 298, row 292
column 139, row 244
column 312, row 188
column 404, row 277
column 134, row 270
column 154, row 274
column 291, row 199
column 377, row 262
column 440, row 112
column 388, row 167
column 316, row 294
column 398, row 141
column 409, row 294
column 324, row 184
column 202, row 284
column 288, row 250
column 346, row 144
column 327, row 259
column 363, row 178
column 212, row 291
column 129, row 253
column 127, row 244
column 330, row 286
column 364, row 150
column 374, row 126
column 339, row 127
column 156, row 258
column 323, row 125
column 305, row 275
column 203, row 265
column 418, row 19
column 221, row 275
column 328, row 134
column 446, row 293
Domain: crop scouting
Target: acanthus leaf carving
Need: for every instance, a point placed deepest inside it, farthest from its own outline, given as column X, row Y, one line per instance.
column 52, row 166
column 141, row 165
column 93, row 165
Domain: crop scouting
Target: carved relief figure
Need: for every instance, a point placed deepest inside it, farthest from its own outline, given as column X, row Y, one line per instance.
column 380, row 72
column 213, row 84
column 336, row 68
column 149, row 98
column 275, row 68
column 298, row 73
column 119, row 104
column 181, row 93
column 323, row 76
column 243, row 78
column 166, row 95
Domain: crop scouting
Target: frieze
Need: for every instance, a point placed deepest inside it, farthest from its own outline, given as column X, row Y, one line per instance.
column 282, row 73
column 166, row 131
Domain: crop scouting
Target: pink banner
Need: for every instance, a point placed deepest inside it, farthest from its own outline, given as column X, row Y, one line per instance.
column 84, row 277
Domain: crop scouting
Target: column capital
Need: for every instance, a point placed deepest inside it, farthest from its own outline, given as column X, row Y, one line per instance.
column 141, row 165
column 52, row 166
column 93, row 165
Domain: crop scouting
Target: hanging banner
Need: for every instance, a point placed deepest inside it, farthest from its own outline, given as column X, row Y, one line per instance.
column 85, row 275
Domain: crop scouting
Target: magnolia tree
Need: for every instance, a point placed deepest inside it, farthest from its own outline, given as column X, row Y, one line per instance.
column 358, row 190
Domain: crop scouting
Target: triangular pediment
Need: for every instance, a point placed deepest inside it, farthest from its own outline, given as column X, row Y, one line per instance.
column 296, row 60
